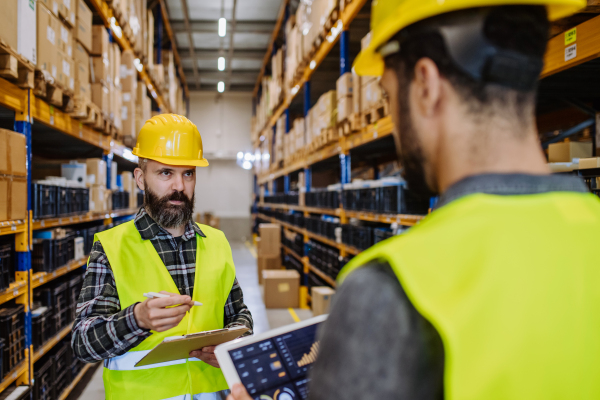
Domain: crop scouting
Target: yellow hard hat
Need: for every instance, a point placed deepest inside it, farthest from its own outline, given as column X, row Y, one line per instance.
column 389, row 17
column 170, row 139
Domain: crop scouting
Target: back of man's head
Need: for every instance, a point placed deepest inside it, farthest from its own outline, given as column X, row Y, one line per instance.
column 521, row 31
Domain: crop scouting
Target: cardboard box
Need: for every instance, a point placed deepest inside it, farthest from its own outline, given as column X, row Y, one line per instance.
column 82, row 72
column 128, row 73
column 66, row 71
column 100, row 72
column 27, row 32
column 356, row 93
column 270, row 244
column 586, row 163
column 65, row 39
column 4, row 198
column 67, row 11
column 17, row 189
column 13, row 153
column 115, row 64
column 47, row 37
column 566, row 152
column 100, row 44
column 98, row 198
column 321, row 299
column 83, row 91
column 265, row 263
column 281, row 288
column 80, row 55
column 52, row 5
column 344, row 86
column 344, row 108
column 100, row 97
column 83, row 27
column 97, row 167
column 128, row 114
column 9, row 30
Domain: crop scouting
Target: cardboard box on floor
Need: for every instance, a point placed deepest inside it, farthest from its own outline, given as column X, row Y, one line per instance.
column 266, row 263
column 321, row 299
column 566, row 152
column 281, row 288
column 270, row 244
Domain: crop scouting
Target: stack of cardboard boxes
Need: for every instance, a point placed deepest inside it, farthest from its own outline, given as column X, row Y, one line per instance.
column 13, row 176
column 82, row 45
column 345, row 94
column 16, row 28
column 128, row 184
column 99, row 195
column 269, row 248
column 129, row 85
column 101, row 68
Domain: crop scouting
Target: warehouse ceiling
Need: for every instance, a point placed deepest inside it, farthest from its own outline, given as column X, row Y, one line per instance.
column 195, row 25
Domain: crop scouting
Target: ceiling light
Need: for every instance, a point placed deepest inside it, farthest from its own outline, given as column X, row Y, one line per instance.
column 240, row 155
column 222, row 27
column 221, row 63
column 247, row 165
column 221, row 87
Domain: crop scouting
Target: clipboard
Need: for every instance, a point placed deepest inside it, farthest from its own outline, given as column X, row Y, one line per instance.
column 179, row 347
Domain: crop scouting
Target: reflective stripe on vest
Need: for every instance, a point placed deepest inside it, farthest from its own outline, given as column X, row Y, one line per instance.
column 138, row 269
column 511, row 285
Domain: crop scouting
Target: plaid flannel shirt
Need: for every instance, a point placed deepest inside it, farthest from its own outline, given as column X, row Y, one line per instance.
column 103, row 330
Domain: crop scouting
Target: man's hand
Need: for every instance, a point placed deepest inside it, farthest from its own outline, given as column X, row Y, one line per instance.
column 206, row 354
column 238, row 392
column 153, row 314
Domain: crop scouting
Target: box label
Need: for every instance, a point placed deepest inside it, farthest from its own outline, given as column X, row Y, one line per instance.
column 571, row 52
column 570, row 36
column 51, row 35
column 283, row 287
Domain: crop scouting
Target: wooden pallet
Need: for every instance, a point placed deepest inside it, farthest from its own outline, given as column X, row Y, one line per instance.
column 47, row 88
column 344, row 4
column 376, row 113
column 85, row 111
column 16, row 68
column 349, row 125
column 99, row 121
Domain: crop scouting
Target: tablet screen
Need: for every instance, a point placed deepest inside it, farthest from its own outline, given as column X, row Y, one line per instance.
column 277, row 368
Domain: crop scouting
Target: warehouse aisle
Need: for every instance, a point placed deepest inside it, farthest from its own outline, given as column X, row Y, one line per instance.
column 91, row 387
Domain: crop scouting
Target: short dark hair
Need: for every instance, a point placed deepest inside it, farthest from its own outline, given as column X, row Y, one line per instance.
column 523, row 29
column 142, row 163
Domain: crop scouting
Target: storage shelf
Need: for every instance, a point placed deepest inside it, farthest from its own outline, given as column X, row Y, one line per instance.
column 346, row 17
column 12, row 96
column 379, row 130
column 77, row 219
column 40, row 278
column 322, row 275
column 15, row 289
column 14, row 374
column 291, row 252
column 402, row 219
column 10, row 227
column 70, row 388
column 51, row 343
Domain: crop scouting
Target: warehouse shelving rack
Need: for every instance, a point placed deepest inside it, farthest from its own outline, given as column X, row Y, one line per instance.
column 29, row 110
column 578, row 46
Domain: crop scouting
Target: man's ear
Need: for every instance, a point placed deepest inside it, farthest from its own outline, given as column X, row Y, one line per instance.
column 139, row 178
column 427, row 87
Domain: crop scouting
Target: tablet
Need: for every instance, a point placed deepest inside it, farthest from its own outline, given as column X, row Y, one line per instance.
column 273, row 365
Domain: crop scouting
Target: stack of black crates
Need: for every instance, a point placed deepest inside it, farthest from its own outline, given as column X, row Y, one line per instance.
column 12, row 335
column 49, row 201
column 7, row 261
column 396, row 199
column 55, row 371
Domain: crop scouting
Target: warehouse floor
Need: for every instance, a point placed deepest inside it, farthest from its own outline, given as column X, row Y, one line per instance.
column 91, row 387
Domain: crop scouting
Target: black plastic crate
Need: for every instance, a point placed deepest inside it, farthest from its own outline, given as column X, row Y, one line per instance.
column 12, row 330
column 399, row 200
column 43, row 384
column 43, row 200
column 42, row 258
column 74, row 289
column 64, row 199
column 381, row 234
column 55, row 297
column 42, row 326
column 7, row 269
column 120, row 200
column 61, row 369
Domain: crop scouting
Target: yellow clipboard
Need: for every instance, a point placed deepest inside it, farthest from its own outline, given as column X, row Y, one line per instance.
column 179, row 347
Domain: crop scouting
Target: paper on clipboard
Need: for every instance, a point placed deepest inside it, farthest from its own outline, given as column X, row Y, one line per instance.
column 179, row 347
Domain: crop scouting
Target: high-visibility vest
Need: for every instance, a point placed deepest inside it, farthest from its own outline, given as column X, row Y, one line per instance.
column 138, row 269
column 512, row 285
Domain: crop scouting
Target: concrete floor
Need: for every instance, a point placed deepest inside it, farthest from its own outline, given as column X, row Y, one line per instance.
column 91, row 386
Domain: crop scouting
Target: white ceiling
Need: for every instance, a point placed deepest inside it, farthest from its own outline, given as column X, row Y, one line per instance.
column 250, row 41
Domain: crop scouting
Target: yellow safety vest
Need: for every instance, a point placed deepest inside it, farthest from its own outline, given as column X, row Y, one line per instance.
column 512, row 285
column 138, row 269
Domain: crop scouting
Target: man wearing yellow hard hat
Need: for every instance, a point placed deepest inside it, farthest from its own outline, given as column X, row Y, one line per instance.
column 483, row 299
column 161, row 250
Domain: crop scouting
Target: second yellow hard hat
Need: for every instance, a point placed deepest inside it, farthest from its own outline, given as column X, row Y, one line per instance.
column 171, row 139
column 389, row 17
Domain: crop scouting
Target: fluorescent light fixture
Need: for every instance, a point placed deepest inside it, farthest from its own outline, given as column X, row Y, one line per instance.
column 266, row 156
column 247, row 165
column 221, row 63
column 248, row 157
column 240, row 155
column 222, row 27
column 221, row 87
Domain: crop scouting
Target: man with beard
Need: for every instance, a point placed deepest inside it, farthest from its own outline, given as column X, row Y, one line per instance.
column 161, row 250
column 494, row 295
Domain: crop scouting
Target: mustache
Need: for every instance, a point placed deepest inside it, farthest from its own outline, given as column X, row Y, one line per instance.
column 177, row 196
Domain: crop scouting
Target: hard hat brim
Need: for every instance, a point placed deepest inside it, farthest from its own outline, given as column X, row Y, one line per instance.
column 178, row 162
